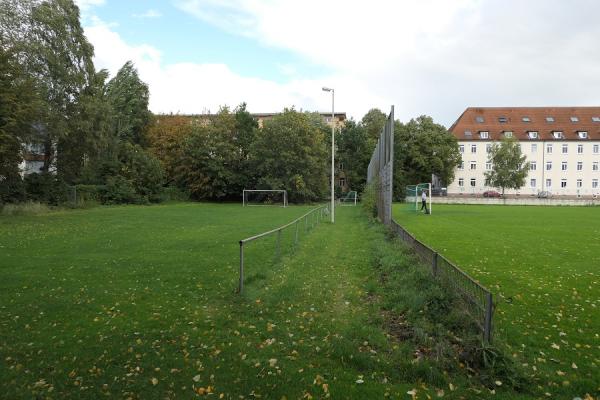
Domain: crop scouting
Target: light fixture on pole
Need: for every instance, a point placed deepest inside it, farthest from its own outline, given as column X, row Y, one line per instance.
column 326, row 89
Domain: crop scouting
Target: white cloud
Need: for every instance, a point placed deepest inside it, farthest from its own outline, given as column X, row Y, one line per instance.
column 195, row 88
column 151, row 13
column 431, row 57
column 85, row 5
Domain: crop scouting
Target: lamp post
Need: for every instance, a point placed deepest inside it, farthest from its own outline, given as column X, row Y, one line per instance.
column 326, row 89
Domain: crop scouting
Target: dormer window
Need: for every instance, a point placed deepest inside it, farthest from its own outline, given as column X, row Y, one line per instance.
column 532, row 134
column 484, row 135
column 549, row 119
column 595, row 119
column 508, row 134
column 502, row 120
column 557, row 135
column 574, row 119
column 479, row 119
column 468, row 134
column 582, row 135
column 526, row 119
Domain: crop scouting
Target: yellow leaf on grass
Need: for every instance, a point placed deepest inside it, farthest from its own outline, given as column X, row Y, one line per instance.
column 154, row 381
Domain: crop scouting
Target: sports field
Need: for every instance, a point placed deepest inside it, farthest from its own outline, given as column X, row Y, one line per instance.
column 543, row 265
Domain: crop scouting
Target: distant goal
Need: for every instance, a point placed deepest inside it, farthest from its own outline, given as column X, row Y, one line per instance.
column 264, row 197
column 349, row 199
column 414, row 196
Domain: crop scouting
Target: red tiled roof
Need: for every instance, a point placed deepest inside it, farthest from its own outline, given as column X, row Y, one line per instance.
column 512, row 121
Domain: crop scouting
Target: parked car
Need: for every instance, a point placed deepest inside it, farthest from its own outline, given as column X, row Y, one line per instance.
column 491, row 193
column 544, row 195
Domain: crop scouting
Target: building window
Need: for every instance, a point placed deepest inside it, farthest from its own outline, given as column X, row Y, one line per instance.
column 534, row 147
column 565, row 148
column 579, row 149
column 502, row 120
column 579, row 165
column 462, row 165
column 461, row 182
column 479, row 120
column 563, row 183
column 557, row 135
column 468, row 134
column 533, row 183
column 579, row 183
column 594, row 183
column 488, row 147
column 549, row 148
column 488, row 166
column 574, row 119
column 341, row 166
column 473, row 182
column 582, row 134
column 563, row 167
column 461, row 148
column 473, row 165
column 532, row 134
column 508, row 134
column 596, row 149
column 532, row 166
column 595, row 119
column 342, row 182
column 595, row 166
column 548, row 165
column 548, row 183
column 473, row 148
column 526, row 119
column 549, row 119
column 484, row 134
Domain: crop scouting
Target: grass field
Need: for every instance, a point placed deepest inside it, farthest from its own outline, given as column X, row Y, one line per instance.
column 139, row 302
column 543, row 265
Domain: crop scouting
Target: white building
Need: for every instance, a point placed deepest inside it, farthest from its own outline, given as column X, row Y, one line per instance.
column 562, row 145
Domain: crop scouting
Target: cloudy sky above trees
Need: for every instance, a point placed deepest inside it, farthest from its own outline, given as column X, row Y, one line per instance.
column 433, row 57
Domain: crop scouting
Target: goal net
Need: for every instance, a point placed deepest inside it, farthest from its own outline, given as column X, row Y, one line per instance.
column 349, row 199
column 259, row 197
column 414, row 196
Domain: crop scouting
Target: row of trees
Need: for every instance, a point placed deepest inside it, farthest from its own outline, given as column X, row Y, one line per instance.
column 99, row 134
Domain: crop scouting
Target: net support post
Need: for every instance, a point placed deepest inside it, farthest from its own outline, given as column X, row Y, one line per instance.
column 487, row 327
column 279, row 244
column 241, row 284
column 434, row 264
column 296, row 237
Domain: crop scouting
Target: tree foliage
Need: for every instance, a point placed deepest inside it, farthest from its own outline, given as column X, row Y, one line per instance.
column 354, row 149
column 509, row 166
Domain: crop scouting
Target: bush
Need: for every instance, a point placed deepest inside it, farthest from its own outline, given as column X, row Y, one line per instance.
column 29, row 208
column 119, row 190
column 46, row 188
column 369, row 199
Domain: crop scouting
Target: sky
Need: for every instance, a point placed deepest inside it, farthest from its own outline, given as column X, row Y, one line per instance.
column 425, row 57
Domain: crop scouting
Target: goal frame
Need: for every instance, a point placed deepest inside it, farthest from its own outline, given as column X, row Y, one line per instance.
column 421, row 187
column 245, row 203
column 351, row 200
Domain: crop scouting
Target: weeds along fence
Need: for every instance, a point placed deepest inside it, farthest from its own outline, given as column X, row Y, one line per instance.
column 267, row 248
column 478, row 300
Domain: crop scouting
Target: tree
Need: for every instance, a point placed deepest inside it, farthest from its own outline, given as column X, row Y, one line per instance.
column 509, row 168
column 423, row 148
column 290, row 153
column 354, row 152
column 129, row 97
column 373, row 122
column 166, row 135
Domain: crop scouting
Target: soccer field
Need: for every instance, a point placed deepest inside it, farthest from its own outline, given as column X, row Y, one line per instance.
column 543, row 265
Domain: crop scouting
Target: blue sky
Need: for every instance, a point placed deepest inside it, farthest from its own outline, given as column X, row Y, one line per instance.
column 433, row 57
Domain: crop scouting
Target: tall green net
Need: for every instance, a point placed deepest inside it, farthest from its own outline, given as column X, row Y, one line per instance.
column 413, row 197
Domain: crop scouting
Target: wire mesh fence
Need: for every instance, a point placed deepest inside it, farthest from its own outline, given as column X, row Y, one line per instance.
column 477, row 299
column 259, row 252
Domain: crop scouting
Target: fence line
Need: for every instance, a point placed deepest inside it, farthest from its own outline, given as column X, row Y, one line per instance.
column 478, row 299
column 311, row 219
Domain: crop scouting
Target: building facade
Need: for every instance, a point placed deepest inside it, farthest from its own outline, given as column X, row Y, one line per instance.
column 562, row 145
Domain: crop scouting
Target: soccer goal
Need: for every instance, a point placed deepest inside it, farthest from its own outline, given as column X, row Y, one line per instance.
column 349, row 199
column 264, row 197
column 414, row 195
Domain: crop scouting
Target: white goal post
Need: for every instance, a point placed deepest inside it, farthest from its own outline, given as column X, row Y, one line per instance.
column 415, row 192
column 246, row 192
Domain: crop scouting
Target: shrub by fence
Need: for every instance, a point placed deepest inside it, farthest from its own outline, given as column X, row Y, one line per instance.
column 478, row 300
column 284, row 239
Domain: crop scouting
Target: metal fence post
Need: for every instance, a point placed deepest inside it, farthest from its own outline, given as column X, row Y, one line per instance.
column 241, row 285
column 487, row 328
column 434, row 263
column 296, row 239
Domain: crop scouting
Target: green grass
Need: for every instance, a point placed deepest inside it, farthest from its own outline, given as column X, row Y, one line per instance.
column 543, row 265
column 140, row 302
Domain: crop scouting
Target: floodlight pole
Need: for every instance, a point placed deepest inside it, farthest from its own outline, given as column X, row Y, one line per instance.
column 326, row 89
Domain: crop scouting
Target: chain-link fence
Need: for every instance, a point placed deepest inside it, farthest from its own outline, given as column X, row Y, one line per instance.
column 478, row 300
column 381, row 170
column 267, row 248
